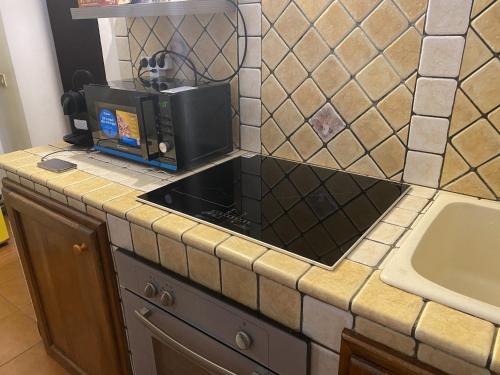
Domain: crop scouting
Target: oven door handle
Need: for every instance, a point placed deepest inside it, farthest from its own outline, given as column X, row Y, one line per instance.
column 142, row 315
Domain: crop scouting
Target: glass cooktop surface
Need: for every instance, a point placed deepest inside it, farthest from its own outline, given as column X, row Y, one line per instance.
column 312, row 212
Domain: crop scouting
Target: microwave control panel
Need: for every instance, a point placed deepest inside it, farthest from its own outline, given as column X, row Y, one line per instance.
column 165, row 128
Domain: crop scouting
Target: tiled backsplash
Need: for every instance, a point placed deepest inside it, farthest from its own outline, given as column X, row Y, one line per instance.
column 368, row 86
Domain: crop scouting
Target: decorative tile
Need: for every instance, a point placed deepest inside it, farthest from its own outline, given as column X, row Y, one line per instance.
column 412, row 8
column 272, row 136
column 367, row 167
column 272, row 9
column 464, row 113
column 327, row 123
column 490, row 173
column 273, row 49
column 312, row 9
column 272, row 94
column 476, row 54
column 470, row 184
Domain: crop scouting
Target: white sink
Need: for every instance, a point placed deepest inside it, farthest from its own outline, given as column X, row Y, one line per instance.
column 453, row 256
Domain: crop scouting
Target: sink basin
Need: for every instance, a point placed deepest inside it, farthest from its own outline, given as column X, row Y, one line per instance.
column 453, row 256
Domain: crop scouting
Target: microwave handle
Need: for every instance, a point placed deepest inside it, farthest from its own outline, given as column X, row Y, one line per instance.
column 142, row 315
column 145, row 136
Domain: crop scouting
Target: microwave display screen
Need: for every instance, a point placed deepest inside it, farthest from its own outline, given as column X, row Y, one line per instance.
column 120, row 123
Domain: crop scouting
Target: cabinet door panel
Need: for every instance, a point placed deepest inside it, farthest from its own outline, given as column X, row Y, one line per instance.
column 62, row 255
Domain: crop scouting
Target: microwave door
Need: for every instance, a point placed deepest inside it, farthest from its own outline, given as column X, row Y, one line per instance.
column 146, row 113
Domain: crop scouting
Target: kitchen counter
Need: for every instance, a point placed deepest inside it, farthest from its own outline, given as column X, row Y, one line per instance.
column 308, row 299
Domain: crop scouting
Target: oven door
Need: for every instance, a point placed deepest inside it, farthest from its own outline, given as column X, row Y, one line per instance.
column 162, row 344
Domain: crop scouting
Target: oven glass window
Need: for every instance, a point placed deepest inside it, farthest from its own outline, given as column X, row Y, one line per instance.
column 170, row 362
column 120, row 123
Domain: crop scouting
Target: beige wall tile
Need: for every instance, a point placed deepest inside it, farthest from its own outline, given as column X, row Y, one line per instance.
column 335, row 287
column 253, row 58
column 355, row 51
column 308, row 98
column 173, row 255
column 441, row 56
column 371, row 128
column 476, row 53
column 490, row 172
column 330, row 75
column 483, row 87
column 239, row 284
column 395, row 340
column 280, row 303
column 480, row 133
column 173, row 226
column 404, row 52
column 387, row 305
column 390, row 156
column 288, row 117
column 240, row 251
column 291, row 25
column 428, row 134
column 145, row 244
column 312, row 9
column 485, row 26
column 250, row 138
column 412, row 8
column 448, row 363
column 204, row 238
column 273, row 49
column 434, row 96
column 272, row 9
column 360, row 9
column 470, row 184
column 250, row 82
column 422, row 168
column 454, row 332
column 204, row 268
column 385, row 24
column 464, row 113
column 252, row 14
column 281, row 268
column 396, row 107
column 271, row 135
column 250, row 111
column 345, row 148
column 306, row 141
column 448, row 17
column 351, row 101
column 324, row 323
column 334, row 24
column 290, row 73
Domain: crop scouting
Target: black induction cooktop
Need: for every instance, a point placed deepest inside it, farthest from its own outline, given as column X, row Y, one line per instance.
column 311, row 212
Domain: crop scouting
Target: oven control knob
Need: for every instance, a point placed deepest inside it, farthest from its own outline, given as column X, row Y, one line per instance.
column 167, row 298
column 163, row 147
column 243, row 340
column 150, row 290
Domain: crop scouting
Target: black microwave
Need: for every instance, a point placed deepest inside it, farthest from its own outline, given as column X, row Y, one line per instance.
column 172, row 124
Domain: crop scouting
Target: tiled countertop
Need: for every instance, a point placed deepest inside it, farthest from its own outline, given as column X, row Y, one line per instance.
column 317, row 302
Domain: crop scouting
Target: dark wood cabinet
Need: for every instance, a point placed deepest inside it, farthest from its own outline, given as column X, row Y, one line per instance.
column 362, row 356
column 68, row 266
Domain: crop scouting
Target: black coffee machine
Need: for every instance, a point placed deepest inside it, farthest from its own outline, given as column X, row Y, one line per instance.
column 74, row 106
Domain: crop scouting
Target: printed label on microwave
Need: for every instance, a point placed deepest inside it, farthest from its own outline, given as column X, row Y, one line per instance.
column 107, row 123
column 128, row 128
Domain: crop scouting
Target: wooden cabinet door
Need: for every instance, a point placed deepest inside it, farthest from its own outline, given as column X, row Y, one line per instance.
column 67, row 262
column 362, row 356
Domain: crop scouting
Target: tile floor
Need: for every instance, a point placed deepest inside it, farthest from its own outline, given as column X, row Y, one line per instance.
column 21, row 348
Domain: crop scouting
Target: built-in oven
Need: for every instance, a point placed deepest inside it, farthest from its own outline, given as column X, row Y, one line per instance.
column 175, row 328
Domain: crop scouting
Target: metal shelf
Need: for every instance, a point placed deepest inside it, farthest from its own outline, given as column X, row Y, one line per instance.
column 167, row 8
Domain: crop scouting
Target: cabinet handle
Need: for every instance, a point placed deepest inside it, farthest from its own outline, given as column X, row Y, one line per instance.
column 80, row 249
